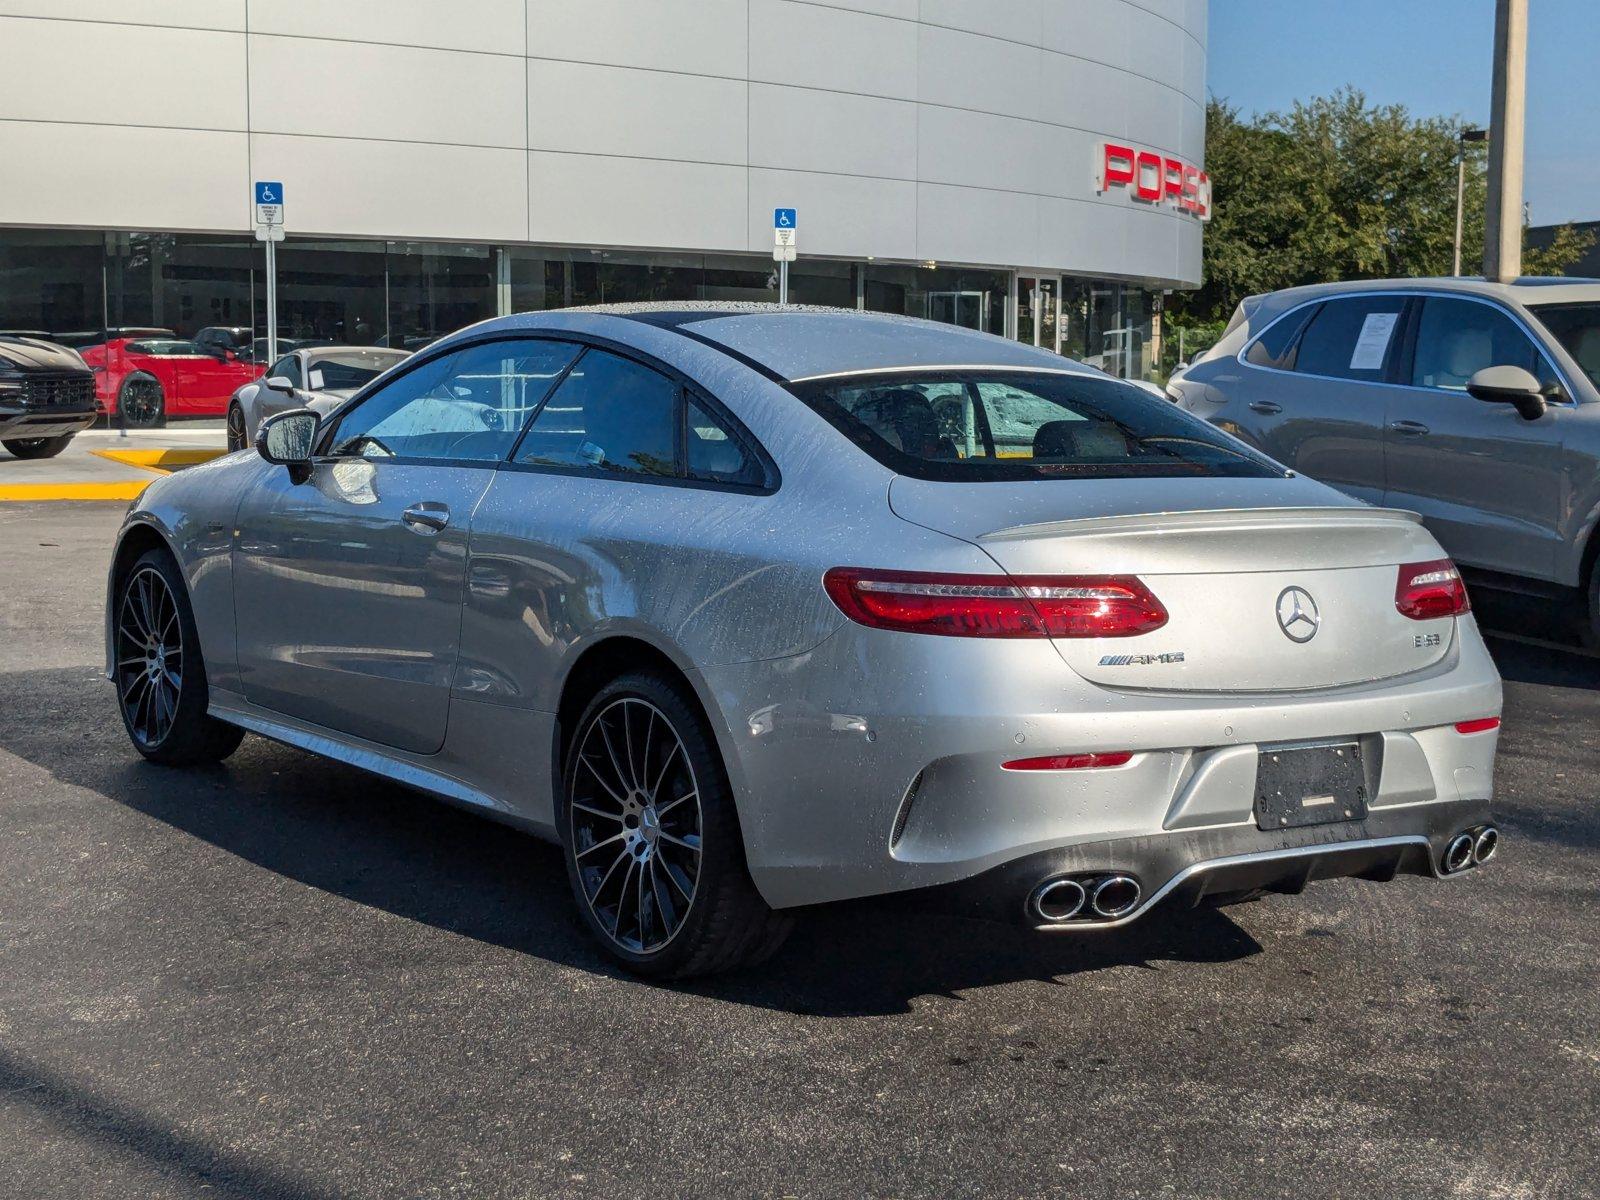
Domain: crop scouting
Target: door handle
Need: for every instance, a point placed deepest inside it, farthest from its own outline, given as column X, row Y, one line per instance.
column 1415, row 428
column 1265, row 407
column 428, row 516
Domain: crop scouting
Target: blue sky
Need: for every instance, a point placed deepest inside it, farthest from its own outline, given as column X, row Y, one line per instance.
column 1433, row 56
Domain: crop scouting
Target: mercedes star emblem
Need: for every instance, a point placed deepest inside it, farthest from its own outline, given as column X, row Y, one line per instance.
column 1297, row 614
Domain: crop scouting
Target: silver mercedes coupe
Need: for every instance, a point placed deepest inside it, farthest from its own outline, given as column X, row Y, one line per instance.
column 754, row 608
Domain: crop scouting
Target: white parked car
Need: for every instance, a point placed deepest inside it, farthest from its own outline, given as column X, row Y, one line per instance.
column 316, row 377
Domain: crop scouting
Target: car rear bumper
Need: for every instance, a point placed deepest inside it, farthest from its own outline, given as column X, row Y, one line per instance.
column 1188, row 868
column 875, row 763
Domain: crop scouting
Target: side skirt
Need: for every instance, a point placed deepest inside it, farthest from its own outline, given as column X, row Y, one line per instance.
column 491, row 754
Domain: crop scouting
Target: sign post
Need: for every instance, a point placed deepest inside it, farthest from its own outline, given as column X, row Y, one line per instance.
column 269, row 229
column 783, row 250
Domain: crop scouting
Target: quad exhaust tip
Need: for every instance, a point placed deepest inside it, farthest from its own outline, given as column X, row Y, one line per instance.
column 1458, row 854
column 1115, row 896
column 1084, row 899
column 1059, row 900
column 1470, row 848
column 1485, row 844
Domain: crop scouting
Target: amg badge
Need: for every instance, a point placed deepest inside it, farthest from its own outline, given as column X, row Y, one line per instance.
column 1140, row 660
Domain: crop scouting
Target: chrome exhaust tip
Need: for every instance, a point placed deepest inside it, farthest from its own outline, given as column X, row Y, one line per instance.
column 1115, row 896
column 1458, row 854
column 1485, row 844
column 1057, row 900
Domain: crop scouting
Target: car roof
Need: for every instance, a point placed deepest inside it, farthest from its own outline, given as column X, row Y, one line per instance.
column 799, row 342
column 1529, row 289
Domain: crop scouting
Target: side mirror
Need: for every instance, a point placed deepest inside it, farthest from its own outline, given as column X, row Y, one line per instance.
column 280, row 383
column 287, row 439
column 1509, row 385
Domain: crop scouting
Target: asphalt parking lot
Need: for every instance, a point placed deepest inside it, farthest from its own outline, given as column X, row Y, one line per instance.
column 282, row 978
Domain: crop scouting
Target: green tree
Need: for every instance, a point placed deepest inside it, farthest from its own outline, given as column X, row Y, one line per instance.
column 1336, row 188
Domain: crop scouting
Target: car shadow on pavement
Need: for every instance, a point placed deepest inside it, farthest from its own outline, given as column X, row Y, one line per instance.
column 120, row 1129
column 1547, row 665
column 346, row 832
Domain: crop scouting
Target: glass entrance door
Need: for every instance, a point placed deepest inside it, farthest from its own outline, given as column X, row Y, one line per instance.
column 1039, row 311
column 970, row 309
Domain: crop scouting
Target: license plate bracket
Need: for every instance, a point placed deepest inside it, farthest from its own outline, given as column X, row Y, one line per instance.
column 1310, row 785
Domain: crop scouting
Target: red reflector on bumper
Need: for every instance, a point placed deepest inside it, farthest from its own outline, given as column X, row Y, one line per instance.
column 1480, row 725
column 1070, row 762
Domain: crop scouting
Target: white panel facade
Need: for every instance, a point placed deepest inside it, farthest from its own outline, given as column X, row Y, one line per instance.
column 955, row 131
column 374, row 188
column 195, row 62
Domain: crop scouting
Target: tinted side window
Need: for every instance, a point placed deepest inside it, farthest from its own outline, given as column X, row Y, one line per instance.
column 610, row 414
column 713, row 454
column 1351, row 339
column 1457, row 338
column 1277, row 346
column 289, row 367
column 470, row 405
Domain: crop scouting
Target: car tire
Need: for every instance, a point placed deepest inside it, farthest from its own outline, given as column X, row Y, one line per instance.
column 238, row 431
column 141, row 404
column 158, row 669
column 36, row 447
column 1589, row 624
column 685, row 904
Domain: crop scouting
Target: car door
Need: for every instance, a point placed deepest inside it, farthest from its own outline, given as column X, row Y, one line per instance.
column 209, row 381
column 1487, row 482
column 348, row 583
column 1321, row 403
column 587, row 528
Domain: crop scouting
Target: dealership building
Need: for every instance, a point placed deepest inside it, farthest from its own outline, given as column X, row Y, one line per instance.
column 1033, row 168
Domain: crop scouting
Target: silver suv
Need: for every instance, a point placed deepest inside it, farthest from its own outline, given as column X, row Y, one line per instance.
column 1475, row 404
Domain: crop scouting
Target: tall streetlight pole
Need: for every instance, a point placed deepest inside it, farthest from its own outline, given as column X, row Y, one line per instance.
column 1465, row 136
column 1502, row 223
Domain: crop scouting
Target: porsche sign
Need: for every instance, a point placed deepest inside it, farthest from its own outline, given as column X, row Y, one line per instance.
column 1154, row 179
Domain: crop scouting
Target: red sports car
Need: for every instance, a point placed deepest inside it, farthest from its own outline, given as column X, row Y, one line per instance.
column 151, row 378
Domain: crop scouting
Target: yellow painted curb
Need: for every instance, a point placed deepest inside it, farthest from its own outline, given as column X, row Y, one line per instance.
column 162, row 461
column 127, row 489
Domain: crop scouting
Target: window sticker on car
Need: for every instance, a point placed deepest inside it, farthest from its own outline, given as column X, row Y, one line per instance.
column 1373, row 342
column 316, row 379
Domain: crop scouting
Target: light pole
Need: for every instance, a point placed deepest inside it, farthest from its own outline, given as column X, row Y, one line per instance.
column 1502, row 231
column 1465, row 136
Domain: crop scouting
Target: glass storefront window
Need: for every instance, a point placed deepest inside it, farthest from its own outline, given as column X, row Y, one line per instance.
column 181, row 282
column 328, row 292
column 966, row 296
column 435, row 290
column 1107, row 325
column 51, row 283
column 538, row 279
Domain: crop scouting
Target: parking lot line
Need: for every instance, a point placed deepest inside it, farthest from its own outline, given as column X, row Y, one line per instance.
column 124, row 489
column 162, row 461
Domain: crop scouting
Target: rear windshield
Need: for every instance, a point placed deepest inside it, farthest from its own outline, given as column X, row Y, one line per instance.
column 1577, row 328
column 965, row 426
column 349, row 369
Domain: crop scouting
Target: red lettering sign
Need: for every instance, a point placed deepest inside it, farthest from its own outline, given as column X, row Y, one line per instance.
column 1154, row 178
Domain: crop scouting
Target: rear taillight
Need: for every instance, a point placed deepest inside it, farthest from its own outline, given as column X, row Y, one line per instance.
column 1427, row 590
column 1071, row 762
column 1001, row 606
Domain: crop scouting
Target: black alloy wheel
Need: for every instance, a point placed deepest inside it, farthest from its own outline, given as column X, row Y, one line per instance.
column 159, row 673
column 149, row 657
column 634, row 810
column 142, row 403
column 651, row 835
